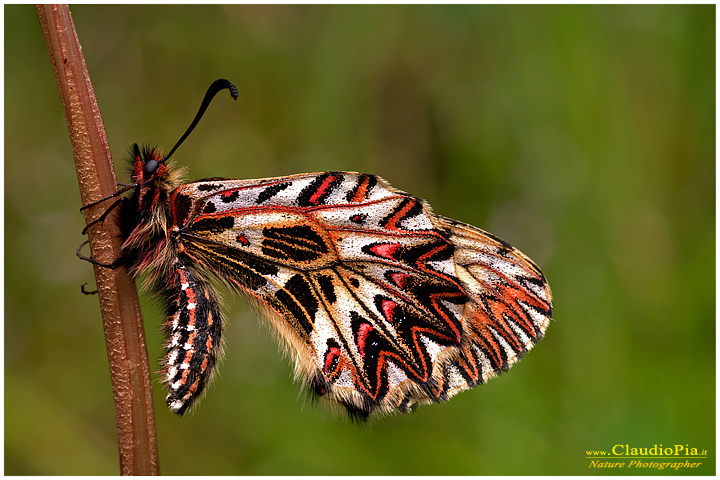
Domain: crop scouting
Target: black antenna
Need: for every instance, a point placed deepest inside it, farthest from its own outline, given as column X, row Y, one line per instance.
column 216, row 87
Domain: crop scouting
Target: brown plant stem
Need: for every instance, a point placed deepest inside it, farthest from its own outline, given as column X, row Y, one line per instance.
column 122, row 321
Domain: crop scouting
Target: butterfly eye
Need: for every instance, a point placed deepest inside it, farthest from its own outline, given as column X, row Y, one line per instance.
column 150, row 167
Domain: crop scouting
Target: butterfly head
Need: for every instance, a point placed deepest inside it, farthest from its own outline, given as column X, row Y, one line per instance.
column 147, row 164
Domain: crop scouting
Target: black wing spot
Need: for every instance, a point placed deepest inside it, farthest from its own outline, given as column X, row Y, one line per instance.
column 271, row 191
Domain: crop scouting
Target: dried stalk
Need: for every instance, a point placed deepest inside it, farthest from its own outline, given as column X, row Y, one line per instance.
column 122, row 321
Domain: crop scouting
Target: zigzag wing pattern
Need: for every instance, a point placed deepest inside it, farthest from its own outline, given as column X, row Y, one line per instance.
column 382, row 303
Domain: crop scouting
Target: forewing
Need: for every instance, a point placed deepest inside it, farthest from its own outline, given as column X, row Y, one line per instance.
column 382, row 303
column 508, row 309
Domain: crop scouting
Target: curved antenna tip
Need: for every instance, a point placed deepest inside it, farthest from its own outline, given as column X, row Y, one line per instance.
column 216, row 87
column 220, row 84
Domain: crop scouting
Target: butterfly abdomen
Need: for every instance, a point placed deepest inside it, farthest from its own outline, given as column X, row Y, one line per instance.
column 193, row 329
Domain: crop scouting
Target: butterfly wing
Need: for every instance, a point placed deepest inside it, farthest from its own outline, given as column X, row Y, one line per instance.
column 382, row 303
column 509, row 304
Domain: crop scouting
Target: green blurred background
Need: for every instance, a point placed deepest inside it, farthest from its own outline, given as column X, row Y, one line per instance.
column 583, row 135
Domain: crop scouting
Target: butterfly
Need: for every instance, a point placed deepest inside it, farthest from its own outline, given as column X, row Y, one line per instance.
column 381, row 303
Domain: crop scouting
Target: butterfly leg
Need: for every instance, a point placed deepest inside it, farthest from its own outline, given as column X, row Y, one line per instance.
column 193, row 329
